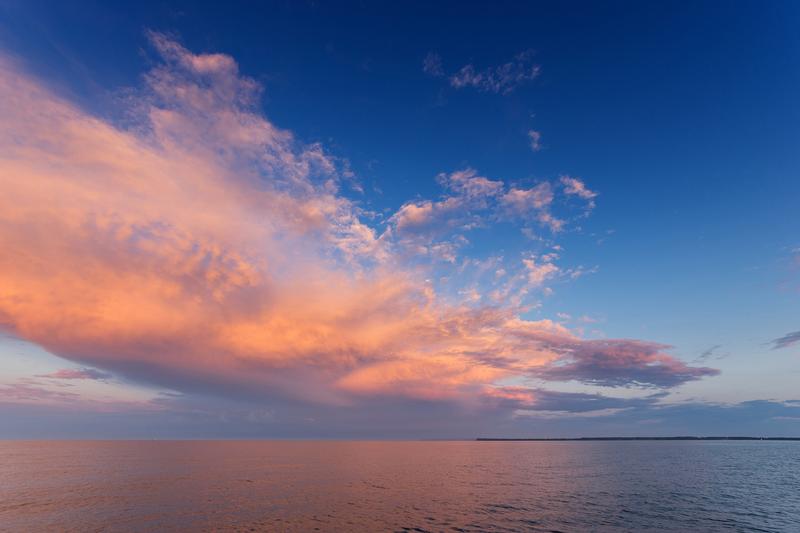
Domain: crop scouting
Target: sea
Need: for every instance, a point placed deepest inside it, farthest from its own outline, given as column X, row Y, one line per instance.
column 399, row 486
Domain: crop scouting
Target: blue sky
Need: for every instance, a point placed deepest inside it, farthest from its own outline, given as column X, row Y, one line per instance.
column 680, row 119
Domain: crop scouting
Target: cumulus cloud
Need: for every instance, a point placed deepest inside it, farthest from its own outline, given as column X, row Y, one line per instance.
column 533, row 203
column 438, row 229
column 204, row 249
column 473, row 200
column 470, row 185
column 523, row 201
column 576, row 187
column 539, row 271
column 469, row 194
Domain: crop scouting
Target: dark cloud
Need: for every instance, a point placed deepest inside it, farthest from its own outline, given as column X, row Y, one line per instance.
column 580, row 402
column 711, row 353
column 623, row 362
column 544, row 400
column 790, row 339
column 563, row 415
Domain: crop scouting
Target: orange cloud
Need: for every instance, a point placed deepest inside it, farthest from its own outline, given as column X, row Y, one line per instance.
column 205, row 248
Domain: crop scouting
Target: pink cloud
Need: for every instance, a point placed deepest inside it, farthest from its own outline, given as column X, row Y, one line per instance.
column 31, row 393
column 539, row 271
column 77, row 373
column 534, row 204
column 575, row 187
column 469, row 194
column 207, row 249
column 470, row 185
column 523, row 201
column 420, row 214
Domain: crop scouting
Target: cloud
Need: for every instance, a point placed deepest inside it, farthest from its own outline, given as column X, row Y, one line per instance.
column 622, row 362
column 468, row 194
column 581, row 415
column 790, row 339
column 432, row 64
column 469, row 184
column 576, row 187
column 438, row 229
column 711, row 353
column 502, row 79
column 542, row 400
column 535, row 140
column 558, row 414
column 533, row 203
column 503, row 411
column 77, row 373
column 539, row 271
column 62, row 398
column 203, row 249
column 523, row 201
column 32, row 393
column 472, row 201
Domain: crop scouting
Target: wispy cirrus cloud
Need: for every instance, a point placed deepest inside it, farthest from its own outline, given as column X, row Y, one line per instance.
column 711, row 353
column 27, row 392
column 432, row 64
column 500, row 79
column 77, row 373
column 204, row 249
column 63, row 398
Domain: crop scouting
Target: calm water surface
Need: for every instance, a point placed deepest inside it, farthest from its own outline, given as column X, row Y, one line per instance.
column 399, row 486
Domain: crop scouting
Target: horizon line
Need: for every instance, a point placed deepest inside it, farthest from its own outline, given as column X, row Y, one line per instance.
column 679, row 437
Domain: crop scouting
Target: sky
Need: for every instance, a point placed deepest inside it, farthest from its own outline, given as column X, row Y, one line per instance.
column 364, row 220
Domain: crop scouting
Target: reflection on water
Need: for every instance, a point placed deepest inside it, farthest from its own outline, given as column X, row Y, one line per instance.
column 396, row 486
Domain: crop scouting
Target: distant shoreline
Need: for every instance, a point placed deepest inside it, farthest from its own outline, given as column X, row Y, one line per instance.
column 637, row 438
